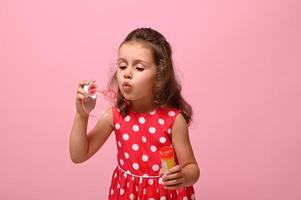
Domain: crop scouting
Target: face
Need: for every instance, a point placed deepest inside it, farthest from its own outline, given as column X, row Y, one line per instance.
column 136, row 71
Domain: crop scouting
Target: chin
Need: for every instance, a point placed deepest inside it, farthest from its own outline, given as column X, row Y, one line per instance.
column 127, row 96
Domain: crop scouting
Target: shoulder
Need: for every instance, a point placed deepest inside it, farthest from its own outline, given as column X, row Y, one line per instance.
column 179, row 131
column 117, row 117
column 180, row 120
column 180, row 125
column 108, row 116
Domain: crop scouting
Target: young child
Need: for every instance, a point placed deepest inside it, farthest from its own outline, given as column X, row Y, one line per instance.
column 150, row 113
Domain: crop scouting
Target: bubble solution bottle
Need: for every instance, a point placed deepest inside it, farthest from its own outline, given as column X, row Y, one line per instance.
column 167, row 156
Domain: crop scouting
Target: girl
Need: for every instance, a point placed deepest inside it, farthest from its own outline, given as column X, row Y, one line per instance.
column 150, row 113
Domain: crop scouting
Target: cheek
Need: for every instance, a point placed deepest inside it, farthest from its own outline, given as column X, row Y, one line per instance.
column 147, row 83
column 118, row 76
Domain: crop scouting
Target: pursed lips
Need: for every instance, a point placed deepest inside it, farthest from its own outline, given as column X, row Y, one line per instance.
column 126, row 84
column 127, row 87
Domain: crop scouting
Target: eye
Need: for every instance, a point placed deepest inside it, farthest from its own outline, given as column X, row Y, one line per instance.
column 122, row 67
column 140, row 69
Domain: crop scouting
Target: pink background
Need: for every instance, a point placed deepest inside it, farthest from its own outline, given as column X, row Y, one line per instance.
column 239, row 64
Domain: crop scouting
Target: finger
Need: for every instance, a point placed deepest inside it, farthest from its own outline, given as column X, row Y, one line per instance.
column 80, row 90
column 174, row 169
column 82, row 83
column 173, row 182
column 80, row 96
column 173, row 176
column 85, row 82
column 173, row 187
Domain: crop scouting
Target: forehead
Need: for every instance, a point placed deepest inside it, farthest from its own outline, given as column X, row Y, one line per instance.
column 135, row 50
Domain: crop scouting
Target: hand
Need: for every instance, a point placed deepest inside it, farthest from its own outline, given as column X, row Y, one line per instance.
column 174, row 178
column 81, row 95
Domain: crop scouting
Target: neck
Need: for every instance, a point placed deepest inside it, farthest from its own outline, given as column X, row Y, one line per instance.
column 142, row 106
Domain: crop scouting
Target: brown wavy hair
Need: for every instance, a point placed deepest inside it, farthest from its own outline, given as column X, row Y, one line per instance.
column 167, row 90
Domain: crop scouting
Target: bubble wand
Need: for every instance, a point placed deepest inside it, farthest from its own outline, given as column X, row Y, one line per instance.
column 96, row 101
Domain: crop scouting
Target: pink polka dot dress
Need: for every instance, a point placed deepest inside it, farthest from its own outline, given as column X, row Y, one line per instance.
column 139, row 136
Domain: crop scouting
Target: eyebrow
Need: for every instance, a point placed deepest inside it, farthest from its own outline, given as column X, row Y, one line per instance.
column 135, row 61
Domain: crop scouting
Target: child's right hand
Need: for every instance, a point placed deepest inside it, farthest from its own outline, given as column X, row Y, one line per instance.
column 81, row 94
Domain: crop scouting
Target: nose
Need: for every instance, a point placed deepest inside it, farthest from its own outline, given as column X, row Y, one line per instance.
column 128, row 73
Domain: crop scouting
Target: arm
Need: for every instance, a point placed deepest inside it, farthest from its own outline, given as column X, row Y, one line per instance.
column 82, row 145
column 187, row 172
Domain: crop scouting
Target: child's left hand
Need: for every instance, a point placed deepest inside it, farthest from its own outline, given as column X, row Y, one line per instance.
column 174, row 178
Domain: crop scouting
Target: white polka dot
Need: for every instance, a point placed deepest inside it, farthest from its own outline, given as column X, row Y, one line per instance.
column 161, row 121
column 145, row 175
column 151, row 198
column 169, row 131
column 143, row 139
column 121, row 161
column 153, row 112
column 118, row 185
column 137, row 188
column 171, row 113
column 163, row 198
column 135, row 147
column 145, row 158
column 152, row 130
column 115, row 175
column 117, row 126
column 121, row 191
column 112, row 191
column 162, row 140
column 128, row 184
column 125, row 136
column 119, row 143
column 185, row 198
column 155, row 167
column 192, row 197
column 141, row 120
column 132, row 196
column 126, row 155
column 127, row 118
column 150, row 181
column 136, row 166
column 160, row 181
column 136, row 128
column 125, row 175
column 153, row 148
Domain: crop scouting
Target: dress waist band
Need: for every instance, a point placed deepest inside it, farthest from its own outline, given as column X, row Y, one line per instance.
column 129, row 173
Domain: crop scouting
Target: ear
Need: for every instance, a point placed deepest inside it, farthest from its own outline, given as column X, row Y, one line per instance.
column 161, row 77
column 162, row 71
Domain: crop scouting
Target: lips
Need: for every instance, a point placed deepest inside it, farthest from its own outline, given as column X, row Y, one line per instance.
column 126, row 86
